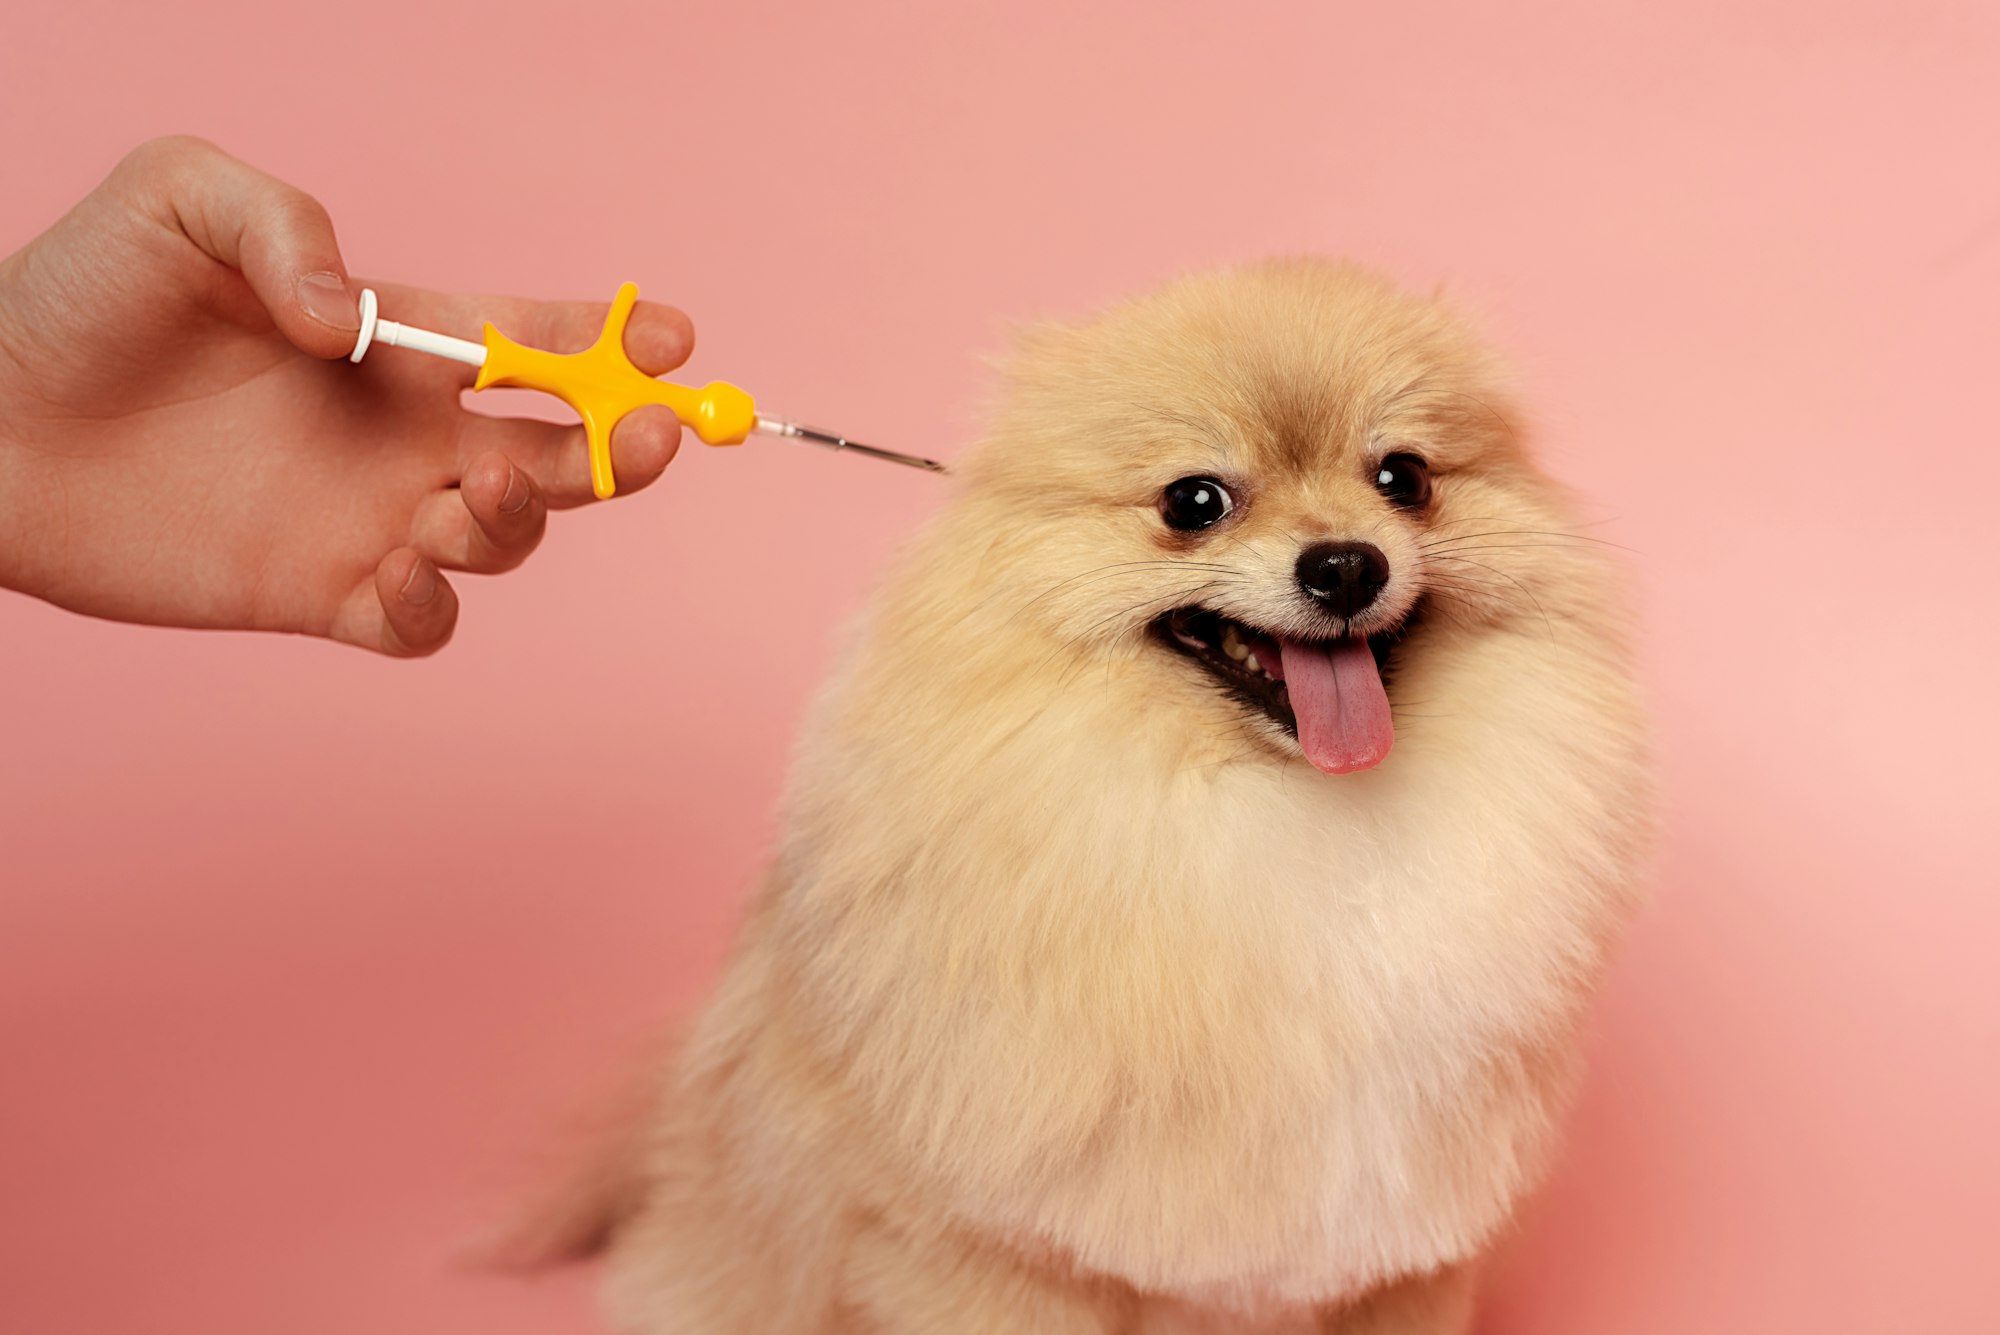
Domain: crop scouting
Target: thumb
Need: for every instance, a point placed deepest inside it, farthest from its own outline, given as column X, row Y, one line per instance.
column 276, row 235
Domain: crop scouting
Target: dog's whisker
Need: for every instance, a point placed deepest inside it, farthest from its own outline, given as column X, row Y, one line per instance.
column 1229, row 759
column 1118, row 570
column 1564, row 537
column 1079, row 643
column 1085, row 574
column 1509, row 519
column 1108, row 571
column 1502, row 547
column 1548, row 625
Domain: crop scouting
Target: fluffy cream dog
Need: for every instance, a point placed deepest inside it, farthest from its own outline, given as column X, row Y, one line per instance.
column 1114, row 973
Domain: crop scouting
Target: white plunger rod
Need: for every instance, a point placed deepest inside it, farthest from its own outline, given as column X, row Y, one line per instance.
column 375, row 330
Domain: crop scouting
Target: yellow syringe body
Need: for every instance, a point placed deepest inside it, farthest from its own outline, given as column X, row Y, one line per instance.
column 602, row 385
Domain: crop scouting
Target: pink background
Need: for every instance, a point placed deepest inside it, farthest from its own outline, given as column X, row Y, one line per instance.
column 302, row 953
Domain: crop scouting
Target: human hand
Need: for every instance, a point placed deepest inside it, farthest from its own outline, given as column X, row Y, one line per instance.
column 182, row 444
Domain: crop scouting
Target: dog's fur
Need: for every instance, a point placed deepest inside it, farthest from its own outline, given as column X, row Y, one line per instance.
column 1075, row 1000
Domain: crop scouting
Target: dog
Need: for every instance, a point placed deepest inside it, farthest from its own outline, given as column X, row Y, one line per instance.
column 1193, row 881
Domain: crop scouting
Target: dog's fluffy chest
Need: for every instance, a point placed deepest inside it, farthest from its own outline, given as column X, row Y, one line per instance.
column 1247, row 1038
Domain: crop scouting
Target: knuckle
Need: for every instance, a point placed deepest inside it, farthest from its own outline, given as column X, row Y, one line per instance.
column 683, row 327
column 296, row 211
column 421, row 640
column 569, row 325
column 521, row 544
column 171, row 156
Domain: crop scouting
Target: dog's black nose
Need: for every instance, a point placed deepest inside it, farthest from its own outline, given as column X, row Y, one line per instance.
column 1343, row 577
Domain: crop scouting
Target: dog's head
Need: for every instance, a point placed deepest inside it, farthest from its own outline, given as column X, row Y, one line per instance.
column 1258, row 487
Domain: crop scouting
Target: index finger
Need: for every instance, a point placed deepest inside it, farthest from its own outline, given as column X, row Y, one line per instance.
column 658, row 338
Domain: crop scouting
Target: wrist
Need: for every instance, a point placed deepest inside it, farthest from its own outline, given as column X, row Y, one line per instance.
column 19, row 525
column 14, row 520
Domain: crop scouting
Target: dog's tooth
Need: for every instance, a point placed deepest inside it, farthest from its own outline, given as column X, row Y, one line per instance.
column 1250, row 661
column 1232, row 646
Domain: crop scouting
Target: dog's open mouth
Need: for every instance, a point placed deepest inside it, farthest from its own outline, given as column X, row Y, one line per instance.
column 1326, row 694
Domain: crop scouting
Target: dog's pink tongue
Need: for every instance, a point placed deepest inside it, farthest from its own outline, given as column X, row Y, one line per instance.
column 1338, row 699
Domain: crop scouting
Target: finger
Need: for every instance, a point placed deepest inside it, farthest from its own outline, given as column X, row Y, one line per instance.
column 658, row 338
column 275, row 234
column 488, row 524
column 405, row 609
column 557, row 458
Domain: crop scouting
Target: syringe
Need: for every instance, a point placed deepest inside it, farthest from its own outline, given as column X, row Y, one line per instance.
column 603, row 385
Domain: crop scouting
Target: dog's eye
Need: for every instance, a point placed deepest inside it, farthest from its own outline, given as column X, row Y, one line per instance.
column 1194, row 502
column 1405, row 480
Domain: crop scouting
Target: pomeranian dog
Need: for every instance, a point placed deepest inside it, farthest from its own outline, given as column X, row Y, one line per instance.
column 1193, row 881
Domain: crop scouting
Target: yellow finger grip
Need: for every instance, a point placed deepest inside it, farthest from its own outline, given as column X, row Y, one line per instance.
column 603, row 386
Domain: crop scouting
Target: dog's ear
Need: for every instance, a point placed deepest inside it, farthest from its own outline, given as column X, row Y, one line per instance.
column 1032, row 353
column 1026, row 345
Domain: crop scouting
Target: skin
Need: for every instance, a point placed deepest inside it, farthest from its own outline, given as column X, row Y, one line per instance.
column 183, row 443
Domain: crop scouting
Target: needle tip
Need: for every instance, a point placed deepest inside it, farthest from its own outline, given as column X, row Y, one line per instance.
column 827, row 438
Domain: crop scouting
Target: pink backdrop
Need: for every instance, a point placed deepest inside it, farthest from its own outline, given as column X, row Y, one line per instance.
column 302, row 952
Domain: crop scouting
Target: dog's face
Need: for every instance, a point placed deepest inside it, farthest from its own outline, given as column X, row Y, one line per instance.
column 1259, row 489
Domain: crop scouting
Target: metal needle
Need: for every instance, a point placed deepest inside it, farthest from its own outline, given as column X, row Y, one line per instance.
column 776, row 426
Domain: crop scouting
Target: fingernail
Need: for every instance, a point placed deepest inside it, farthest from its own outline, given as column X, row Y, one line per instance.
column 421, row 586
column 325, row 297
column 517, row 492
